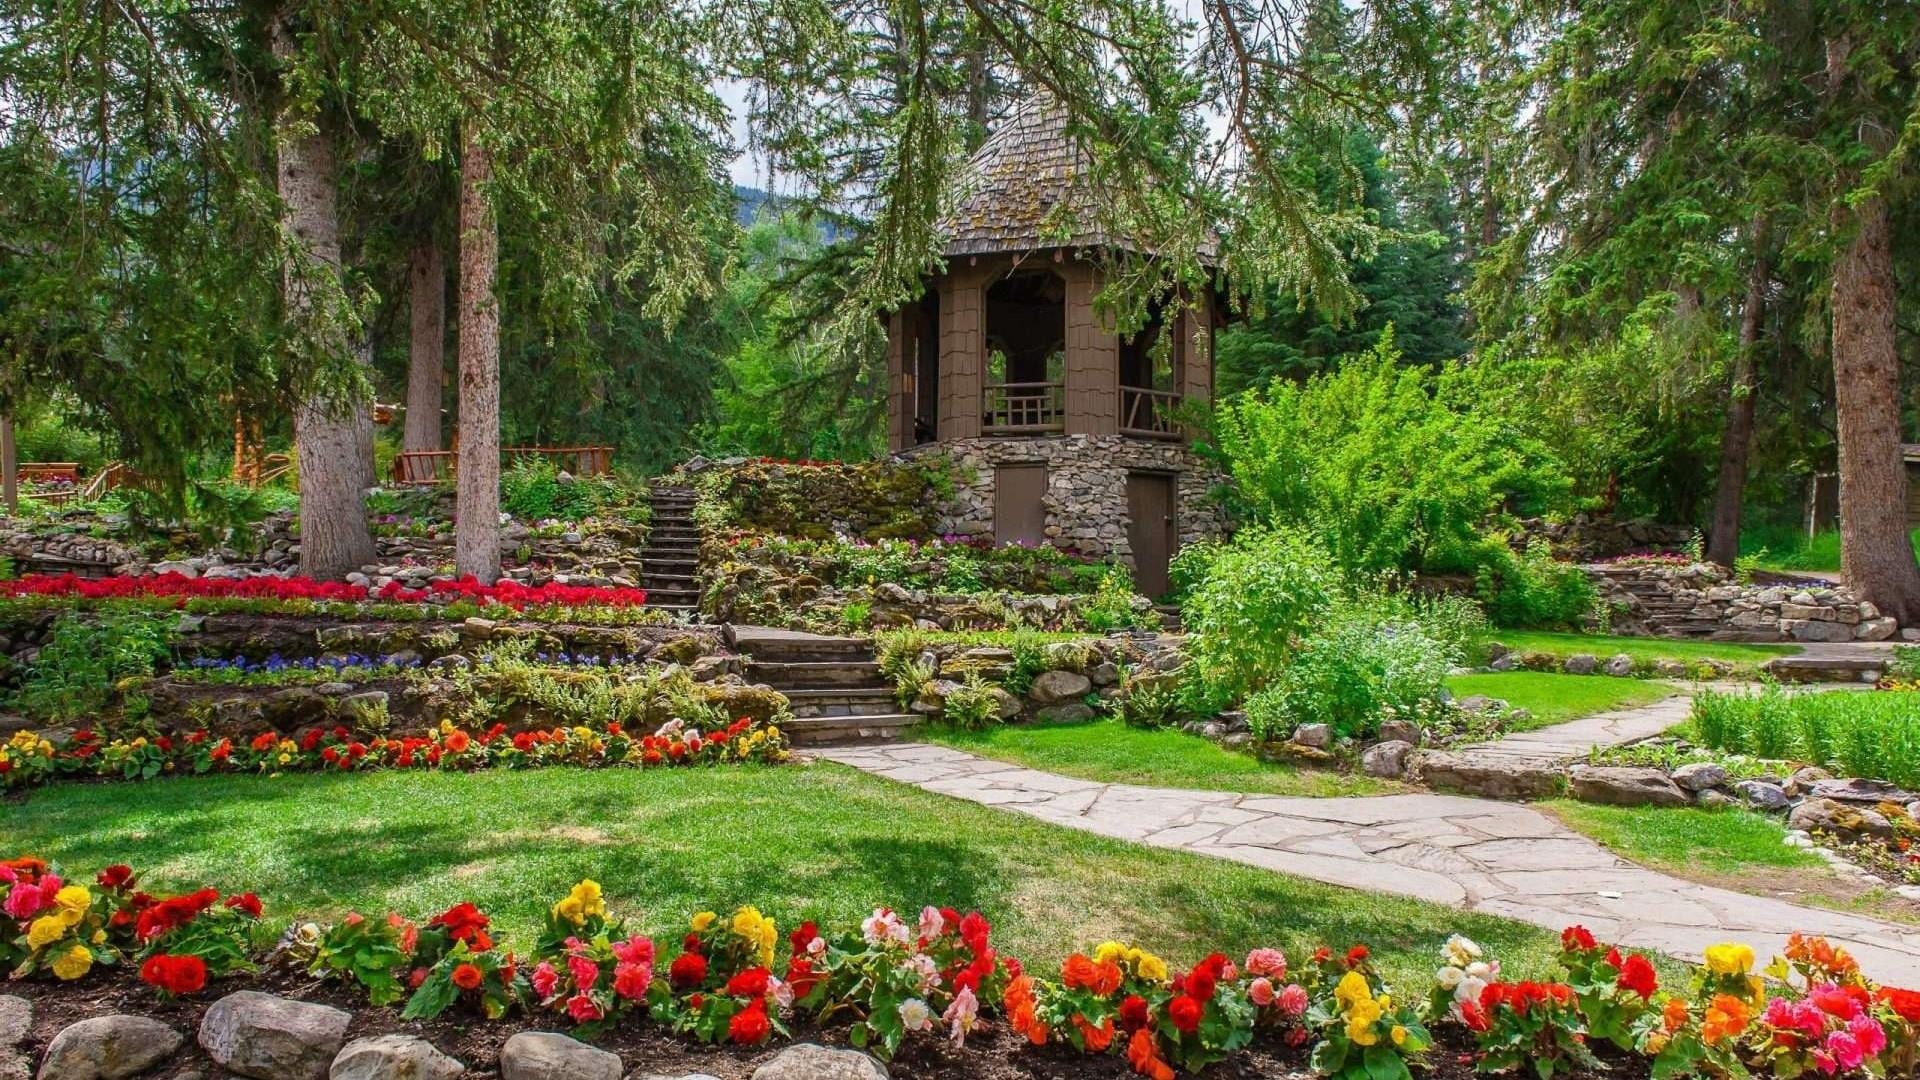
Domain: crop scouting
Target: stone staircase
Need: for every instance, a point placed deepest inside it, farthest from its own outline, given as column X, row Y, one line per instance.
column 672, row 555
column 833, row 684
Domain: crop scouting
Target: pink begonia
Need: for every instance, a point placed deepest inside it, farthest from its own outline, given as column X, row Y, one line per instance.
column 884, row 926
column 582, row 1008
column 1293, row 1000
column 1800, row 1016
column 931, row 923
column 1845, row 1049
column 929, row 972
column 961, row 1015
column 26, row 900
column 634, row 950
column 1261, row 991
column 545, row 980
column 1269, row 962
column 584, row 971
column 1869, row 1034
column 630, row 979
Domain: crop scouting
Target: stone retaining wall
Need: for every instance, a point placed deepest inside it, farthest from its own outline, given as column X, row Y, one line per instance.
column 1589, row 537
column 1703, row 600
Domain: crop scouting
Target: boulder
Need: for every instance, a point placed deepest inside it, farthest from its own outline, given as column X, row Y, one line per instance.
column 1700, row 776
column 809, row 1061
column 1053, row 687
column 1715, row 800
column 273, row 1038
column 547, row 1055
column 1496, row 650
column 1619, row 664
column 1763, row 796
column 109, row 1048
column 1625, row 785
column 1858, row 790
column 1006, row 703
column 1317, row 736
column 1803, row 779
column 393, row 1057
column 1067, row 712
column 1405, row 731
column 1670, row 669
column 365, row 705
column 1105, row 673
column 1814, row 630
column 1879, row 629
column 1504, row 662
column 1839, row 819
column 16, row 1018
column 1387, row 760
column 1492, row 778
column 1581, row 664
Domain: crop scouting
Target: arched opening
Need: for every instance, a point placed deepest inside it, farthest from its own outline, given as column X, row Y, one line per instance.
column 1151, row 371
column 1024, row 390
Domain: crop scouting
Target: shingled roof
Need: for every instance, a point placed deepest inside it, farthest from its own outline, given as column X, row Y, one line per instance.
column 1009, row 192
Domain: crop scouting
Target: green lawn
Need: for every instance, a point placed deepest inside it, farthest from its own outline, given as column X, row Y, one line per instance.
column 1556, row 699
column 1790, row 548
column 1687, row 840
column 1108, row 750
column 1643, row 650
column 820, row 842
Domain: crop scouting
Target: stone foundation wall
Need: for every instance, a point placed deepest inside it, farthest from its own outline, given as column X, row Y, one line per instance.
column 1086, row 499
column 1703, row 600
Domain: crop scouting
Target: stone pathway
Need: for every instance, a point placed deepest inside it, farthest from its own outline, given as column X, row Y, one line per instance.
column 1563, row 742
column 1498, row 858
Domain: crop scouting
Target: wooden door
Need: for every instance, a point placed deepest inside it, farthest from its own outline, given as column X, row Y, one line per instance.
column 1019, row 509
column 1150, row 529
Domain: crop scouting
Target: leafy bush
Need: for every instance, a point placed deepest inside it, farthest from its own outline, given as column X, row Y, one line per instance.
column 1112, row 604
column 531, row 490
column 1386, row 463
column 1364, row 662
column 972, row 706
column 1871, row 734
column 1530, row 590
column 84, row 660
column 1257, row 597
column 1149, row 701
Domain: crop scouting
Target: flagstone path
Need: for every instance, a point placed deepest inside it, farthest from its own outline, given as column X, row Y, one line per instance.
column 1561, row 742
column 1499, row 858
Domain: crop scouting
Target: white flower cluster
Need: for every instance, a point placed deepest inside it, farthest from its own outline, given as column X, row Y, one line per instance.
column 1465, row 971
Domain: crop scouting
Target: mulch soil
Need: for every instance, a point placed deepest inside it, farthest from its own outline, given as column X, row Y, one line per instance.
column 991, row 1053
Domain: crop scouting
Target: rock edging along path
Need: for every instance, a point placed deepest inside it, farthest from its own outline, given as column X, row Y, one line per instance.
column 1496, row 858
column 1560, row 743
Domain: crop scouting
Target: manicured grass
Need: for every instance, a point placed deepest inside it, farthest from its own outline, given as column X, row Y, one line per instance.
column 1556, row 699
column 1110, row 751
column 1643, row 650
column 820, row 842
column 1683, row 840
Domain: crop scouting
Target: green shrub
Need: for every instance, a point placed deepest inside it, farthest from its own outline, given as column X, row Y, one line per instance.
column 1530, row 590
column 1111, row 606
column 1347, row 675
column 1149, row 701
column 531, row 490
column 85, row 659
column 1259, row 595
column 972, row 706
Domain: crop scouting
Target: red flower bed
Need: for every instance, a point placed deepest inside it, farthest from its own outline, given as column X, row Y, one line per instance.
column 266, row 587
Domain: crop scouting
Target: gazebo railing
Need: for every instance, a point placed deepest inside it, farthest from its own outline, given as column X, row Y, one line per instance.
column 1024, row 408
column 1149, row 412
column 440, row 466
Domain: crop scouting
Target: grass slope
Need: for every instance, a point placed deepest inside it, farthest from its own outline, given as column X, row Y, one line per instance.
column 1110, row 751
column 819, row 842
column 1556, row 699
column 1642, row 649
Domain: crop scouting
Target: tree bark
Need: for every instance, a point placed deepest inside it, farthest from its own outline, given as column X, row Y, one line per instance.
column 9, row 465
column 1736, row 438
column 427, row 301
column 328, row 434
column 477, row 531
column 1876, row 552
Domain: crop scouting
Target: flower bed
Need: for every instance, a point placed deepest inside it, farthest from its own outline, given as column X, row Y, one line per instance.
column 268, row 587
column 29, row 758
column 897, row 981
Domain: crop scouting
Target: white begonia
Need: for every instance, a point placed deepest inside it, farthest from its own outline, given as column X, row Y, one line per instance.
column 1449, row 977
column 915, row 1016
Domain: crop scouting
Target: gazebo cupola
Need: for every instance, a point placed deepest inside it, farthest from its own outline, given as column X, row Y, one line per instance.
column 1007, row 341
column 1066, row 432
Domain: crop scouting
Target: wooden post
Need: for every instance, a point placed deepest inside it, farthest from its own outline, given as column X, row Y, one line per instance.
column 9, row 465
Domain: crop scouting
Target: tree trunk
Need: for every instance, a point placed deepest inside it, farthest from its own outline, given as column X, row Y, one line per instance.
column 427, row 278
column 9, row 465
column 1736, row 438
column 1875, row 550
column 328, row 434
column 477, row 532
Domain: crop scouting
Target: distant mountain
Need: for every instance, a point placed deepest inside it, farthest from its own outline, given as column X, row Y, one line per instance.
column 747, row 202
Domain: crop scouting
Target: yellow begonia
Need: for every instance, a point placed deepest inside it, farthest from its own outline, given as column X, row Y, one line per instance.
column 73, row 903
column 73, row 963
column 45, row 930
column 1351, row 990
column 1398, row 1035
column 1148, row 966
column 584, row 902
column 1730, row 958
column 1362, row 1033
column 703, row 921
column 756, row 928
column 1111, row 952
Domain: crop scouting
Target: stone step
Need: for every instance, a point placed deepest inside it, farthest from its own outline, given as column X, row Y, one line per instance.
column 815, row 674
column 832, row 729
column 843, row 701
column 653, row 578
column 1828, row 668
